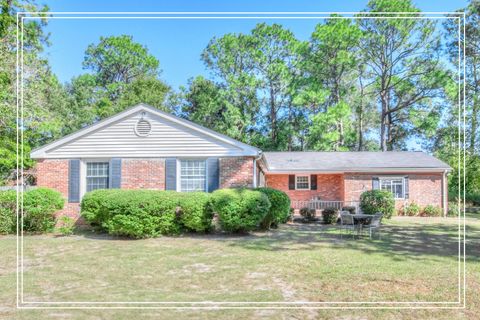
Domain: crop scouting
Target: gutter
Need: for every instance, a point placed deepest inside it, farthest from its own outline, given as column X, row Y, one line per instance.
column 255, row 168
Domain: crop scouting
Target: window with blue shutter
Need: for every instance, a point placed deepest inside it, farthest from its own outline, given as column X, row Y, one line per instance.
column 171, row 174
column 115, row 173
column 213, row 170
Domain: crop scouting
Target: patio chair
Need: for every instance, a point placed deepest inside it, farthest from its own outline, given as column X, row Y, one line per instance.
column 347, row 222
column 375, row 224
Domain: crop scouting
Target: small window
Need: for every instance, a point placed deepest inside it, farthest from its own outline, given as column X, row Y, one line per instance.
column 97, row 175
column 394, row 185
column 192, row 175
column 302, row 182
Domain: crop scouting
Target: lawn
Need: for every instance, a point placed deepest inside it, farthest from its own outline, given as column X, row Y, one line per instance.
column 416, row 259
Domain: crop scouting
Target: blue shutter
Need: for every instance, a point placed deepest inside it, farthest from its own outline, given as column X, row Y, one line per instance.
column 74, row 181
column 375, row 183
column 115, row 174
column 406, row 191
column 171, row 174
column 213, row 174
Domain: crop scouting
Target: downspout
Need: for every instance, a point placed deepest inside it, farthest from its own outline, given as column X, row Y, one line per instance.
column 444, row 193
column 255, row 168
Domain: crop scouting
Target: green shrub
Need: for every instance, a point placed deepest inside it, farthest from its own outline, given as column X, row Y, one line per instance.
column 195, row 213
column 8, row 205
column 473, row 198
column 239, row 210
column 330, row 215
column 308, row 213
column 279, row 210
column 67, row 225
column 350, row 209
column 432, row 211
column 374, row 201
column 39, row 206
column 453, row 209
column 412, row 209
column 133, row 213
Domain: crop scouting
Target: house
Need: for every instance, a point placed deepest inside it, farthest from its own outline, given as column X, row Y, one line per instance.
column 145, row 148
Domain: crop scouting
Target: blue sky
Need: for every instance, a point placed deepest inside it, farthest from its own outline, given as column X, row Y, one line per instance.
column 179, row 43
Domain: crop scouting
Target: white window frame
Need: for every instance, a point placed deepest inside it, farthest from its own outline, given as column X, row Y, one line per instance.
column 108, row 170
column 308, row 181
column 179, row 173
column 393, row 178
column 83, row 173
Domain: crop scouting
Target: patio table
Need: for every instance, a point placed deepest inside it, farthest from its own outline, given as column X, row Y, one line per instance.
column 362, row 219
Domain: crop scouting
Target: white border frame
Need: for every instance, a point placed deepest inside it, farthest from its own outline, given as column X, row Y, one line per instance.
column 460, row 304
column 309, row 177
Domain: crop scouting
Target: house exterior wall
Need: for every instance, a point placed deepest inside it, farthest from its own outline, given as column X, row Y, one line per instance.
column 236, row 172
column 424, row 188
column 53, row 173
column 143, row 174
column 329, row 187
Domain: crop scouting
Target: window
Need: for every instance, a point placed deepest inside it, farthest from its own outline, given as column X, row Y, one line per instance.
column 394, row 185
column 97, row 175
column 192, row 175
column 302, row 182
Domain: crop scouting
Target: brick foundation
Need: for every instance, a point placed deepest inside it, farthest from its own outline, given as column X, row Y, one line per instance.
column 236, row 172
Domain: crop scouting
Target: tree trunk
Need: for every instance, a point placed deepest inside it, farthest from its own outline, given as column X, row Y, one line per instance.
column 383, row 122
column 475, row 102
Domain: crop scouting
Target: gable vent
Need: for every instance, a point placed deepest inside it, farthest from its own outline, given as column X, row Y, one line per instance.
column 143, row 128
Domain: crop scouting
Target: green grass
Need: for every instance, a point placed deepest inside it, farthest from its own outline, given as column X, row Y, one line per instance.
column 415, row 259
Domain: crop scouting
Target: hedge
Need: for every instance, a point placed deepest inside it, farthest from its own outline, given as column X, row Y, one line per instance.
column 132, row 213
column 239, row 210
column 330, row 215
column 195, row 213
column 374, row 201
column 279, row 210
column 39, row 206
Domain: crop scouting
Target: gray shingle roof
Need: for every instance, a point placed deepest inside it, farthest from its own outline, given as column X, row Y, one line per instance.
column 352, row 161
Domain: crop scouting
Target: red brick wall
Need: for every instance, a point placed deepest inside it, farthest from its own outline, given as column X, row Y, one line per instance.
column 143, row 174
column 53, row 173
column 236, row 172
column 329, row 187
column 424, row 188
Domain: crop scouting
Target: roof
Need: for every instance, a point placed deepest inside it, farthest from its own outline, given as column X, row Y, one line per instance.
column 364, row 161
column 42, row 151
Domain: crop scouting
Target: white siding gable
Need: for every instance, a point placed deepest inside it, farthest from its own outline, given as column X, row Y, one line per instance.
column 169, row 137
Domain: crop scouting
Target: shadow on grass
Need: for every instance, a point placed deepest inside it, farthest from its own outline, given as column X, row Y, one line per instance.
column 398, row 242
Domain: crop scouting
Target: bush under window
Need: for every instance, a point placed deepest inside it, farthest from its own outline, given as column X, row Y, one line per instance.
column 308, row 213
column 375, row 201
column 432, row 211
column 412, row 209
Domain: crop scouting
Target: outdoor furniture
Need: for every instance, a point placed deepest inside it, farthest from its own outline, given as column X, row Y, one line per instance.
column 347, row 222
column 375, row 224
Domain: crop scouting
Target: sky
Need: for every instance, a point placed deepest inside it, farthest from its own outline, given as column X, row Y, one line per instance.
column 178, row 43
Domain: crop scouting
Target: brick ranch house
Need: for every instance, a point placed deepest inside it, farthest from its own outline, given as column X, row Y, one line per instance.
column 145, row 148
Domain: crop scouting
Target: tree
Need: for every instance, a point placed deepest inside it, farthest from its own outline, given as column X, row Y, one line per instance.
column 403, row 61
column 42, row 93
column 119, row 59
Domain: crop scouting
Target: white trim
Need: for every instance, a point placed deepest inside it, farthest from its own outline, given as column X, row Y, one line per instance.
column 179, row 171
column 83, row 173
column 42, row 151
column 308, row 180
column 358, row 170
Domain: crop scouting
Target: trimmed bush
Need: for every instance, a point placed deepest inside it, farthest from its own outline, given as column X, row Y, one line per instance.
column 432, row 211
column 39, row 206
column 330, row 215
column 279, row 210
column 239, row 210
column 374, row 201
column 308, row 213
column 350, row 209
column 195, row 213
column 412, row 209
column 133, row 213
column 8, row 205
